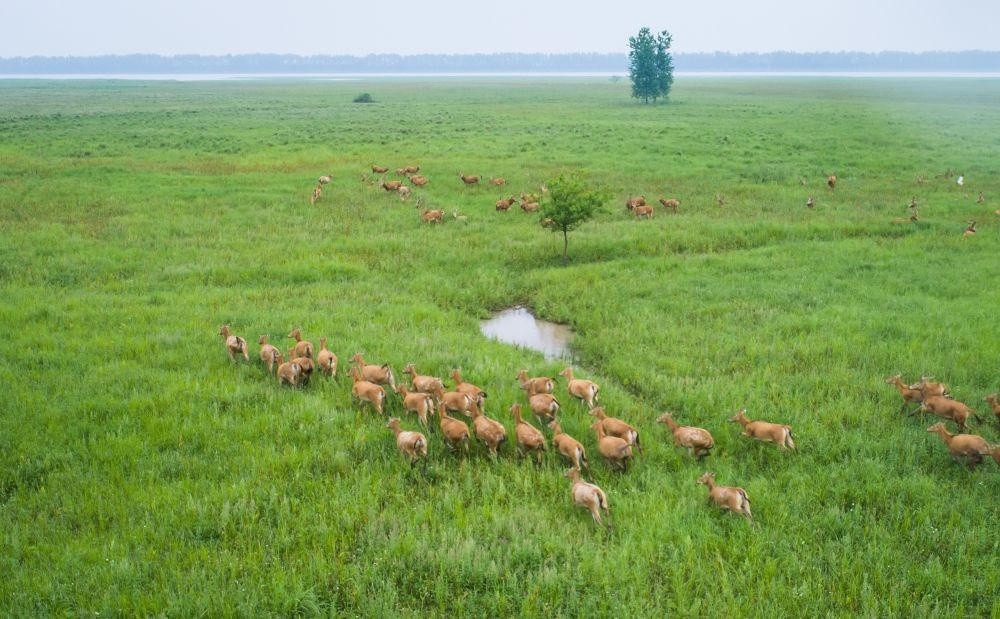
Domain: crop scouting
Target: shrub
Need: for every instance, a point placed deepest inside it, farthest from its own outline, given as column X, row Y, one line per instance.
column 572, row 201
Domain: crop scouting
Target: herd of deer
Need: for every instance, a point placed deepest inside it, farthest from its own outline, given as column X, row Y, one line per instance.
column 530, row 202
column 935, row 398
column 640, row 209
column 616, row 440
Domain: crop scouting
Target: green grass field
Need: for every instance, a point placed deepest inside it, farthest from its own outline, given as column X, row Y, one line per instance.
column 143, row 473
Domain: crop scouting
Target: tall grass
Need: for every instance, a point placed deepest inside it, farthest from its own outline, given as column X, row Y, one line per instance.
column 142, row 473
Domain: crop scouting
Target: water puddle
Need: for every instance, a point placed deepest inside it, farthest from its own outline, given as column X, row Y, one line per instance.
column 518, row 326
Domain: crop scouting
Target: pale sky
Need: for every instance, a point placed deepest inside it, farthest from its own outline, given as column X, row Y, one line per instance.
column 360, row 27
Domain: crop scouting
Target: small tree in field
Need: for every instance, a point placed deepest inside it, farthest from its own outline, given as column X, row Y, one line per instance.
column 650, row 66
column 571, row 202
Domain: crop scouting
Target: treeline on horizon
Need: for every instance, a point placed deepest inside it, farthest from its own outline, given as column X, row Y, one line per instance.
column 501, row 62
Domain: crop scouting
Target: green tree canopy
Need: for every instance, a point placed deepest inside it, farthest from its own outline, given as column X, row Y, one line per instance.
column 571, row 202
column 650, row 66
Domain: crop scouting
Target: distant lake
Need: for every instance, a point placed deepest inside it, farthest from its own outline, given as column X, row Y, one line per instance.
column 216, row 77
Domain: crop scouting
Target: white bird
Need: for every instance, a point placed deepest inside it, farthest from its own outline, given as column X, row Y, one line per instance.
column 961, row 180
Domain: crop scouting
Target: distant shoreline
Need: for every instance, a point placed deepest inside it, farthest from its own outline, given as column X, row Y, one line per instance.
column 347, row 77
column 969, row 62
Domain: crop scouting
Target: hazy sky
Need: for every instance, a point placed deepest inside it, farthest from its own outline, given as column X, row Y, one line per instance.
column 359, row 27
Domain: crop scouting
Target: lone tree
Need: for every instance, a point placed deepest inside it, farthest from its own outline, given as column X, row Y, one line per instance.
column 650, row 66
column 571, row 202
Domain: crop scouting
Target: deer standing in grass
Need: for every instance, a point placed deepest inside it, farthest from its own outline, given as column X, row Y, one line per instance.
column 730, row 498
column 588, row 496
column 779, row 434
column 529, row 438
column 568, row 447
column 235, row 345
column 411, row 445
column 584, row 390
column 698, row 441
column 971, row 447
column 269, row 354
column 911, row 394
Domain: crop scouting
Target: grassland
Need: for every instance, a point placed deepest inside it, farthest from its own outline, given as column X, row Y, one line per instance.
column 143, row 473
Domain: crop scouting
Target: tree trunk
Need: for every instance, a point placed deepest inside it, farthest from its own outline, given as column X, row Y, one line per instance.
column 565, row 246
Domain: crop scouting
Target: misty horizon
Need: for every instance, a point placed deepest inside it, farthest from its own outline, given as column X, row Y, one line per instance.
column 623, row 53
column 317, row 27
column 610, row 63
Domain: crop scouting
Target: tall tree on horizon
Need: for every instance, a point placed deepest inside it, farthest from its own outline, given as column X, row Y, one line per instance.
column 650, row 66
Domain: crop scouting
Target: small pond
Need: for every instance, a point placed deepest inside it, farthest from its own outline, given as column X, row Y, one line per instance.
column 518, row 326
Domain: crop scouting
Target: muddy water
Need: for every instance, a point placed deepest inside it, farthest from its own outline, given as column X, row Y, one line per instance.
column 518, row 326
